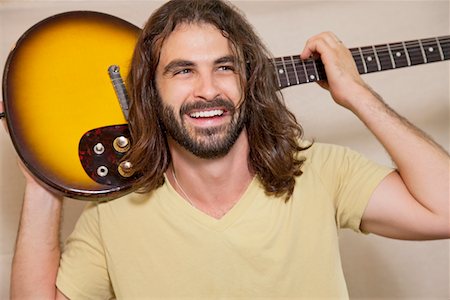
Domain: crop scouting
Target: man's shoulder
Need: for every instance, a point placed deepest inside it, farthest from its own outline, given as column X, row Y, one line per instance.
column 129, row 200
column 319, row 151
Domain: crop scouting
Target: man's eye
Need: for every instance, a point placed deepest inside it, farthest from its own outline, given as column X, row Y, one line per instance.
column 226, row 68
column 183, row 71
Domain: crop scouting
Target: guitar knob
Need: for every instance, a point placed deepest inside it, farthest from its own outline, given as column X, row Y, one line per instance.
column 126, row 169
column 102, row 171
column 121, row 144
column 99, row 148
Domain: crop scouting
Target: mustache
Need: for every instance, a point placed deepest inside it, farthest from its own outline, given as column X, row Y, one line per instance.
column 218, row 102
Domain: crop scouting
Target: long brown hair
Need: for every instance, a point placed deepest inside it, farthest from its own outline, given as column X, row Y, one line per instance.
column 273, row 132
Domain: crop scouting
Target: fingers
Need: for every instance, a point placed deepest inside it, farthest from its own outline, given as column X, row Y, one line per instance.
column 22, row 167
column 335, row 56
column 321, row 43
column 343, row 79
column 2, row 116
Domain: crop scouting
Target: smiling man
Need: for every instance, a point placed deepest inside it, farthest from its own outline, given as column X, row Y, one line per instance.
column 232, row 203
column 199, row 90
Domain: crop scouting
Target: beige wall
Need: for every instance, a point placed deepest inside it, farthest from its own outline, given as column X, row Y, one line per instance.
column 375, row 267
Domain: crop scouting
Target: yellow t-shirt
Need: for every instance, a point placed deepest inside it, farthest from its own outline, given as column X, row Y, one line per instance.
column 157, row 246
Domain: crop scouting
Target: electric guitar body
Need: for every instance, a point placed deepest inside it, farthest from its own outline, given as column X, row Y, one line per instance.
column 56, row 88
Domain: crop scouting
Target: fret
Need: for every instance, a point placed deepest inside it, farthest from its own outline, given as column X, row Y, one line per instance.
column 290, row 72
column 423, row 52
column 363, row 60
column 369, row 59
column 391, row 56
column 400, row 57
column 276, row 71
column 315, row 69
column 376, row 58
column 415, row 53
column 358, row 60
column 444, row 42
column 431, row 50
column 320, row 68
column 286, row 71
column 311, row 71
column 304, row 70
column 408, row 58
column 281, row 73
column 292, row 66
column 299, row 69
column 384, row 57
column 440, row 48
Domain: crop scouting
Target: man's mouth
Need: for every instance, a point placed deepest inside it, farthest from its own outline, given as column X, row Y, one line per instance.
column 207, row 113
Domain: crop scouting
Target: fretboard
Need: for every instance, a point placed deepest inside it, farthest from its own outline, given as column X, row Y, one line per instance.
column 291, row 70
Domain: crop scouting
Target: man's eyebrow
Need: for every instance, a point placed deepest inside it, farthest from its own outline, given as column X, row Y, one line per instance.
column 181, row 63
column 225, row 59
column 176, row 64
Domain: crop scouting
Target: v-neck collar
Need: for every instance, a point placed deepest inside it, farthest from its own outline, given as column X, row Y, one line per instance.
column 183, row 206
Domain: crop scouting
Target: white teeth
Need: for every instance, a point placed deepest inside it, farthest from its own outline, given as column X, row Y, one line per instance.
column 207, row 114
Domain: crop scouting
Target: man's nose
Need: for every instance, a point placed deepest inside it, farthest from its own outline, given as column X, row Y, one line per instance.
column 206, row 87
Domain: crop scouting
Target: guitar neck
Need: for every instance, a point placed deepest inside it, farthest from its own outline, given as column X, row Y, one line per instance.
column 291, row 70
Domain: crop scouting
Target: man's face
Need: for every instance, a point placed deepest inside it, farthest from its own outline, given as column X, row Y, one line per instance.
column 199, row 90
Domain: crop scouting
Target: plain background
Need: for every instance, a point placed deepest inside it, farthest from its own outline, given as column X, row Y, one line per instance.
column 375, row 267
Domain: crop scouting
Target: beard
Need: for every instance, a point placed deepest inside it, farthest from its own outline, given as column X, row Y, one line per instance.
column 206, row 143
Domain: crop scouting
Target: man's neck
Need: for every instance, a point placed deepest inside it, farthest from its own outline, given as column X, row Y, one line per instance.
column 213, row 186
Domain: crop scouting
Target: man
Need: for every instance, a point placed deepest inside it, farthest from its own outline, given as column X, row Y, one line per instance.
column 233, row 204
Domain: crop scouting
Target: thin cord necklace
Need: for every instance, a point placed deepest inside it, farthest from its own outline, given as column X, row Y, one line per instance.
column 182, row 190
column 218, row 216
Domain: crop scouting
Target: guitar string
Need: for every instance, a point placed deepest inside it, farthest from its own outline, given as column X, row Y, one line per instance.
column 385, row 64
column 385, row 58
column 384, row 54
column 393, row 47
column 415, row 54
column 415, row 58
column 384, row 61
column 396, row 46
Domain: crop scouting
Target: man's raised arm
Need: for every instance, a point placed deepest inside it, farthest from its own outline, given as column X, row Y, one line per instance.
column 36, row 257
column 412, row 203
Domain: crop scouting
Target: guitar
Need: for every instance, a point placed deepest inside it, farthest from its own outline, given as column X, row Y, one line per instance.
column 66, row 104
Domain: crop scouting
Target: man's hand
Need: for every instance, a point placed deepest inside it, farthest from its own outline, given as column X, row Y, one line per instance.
column 343, row 80
column 3, row 119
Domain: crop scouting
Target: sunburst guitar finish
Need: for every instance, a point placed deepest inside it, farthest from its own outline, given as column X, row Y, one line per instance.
column 56, row 88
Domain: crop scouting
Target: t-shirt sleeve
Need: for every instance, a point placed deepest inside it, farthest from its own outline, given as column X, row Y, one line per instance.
column 83, row 272
column 350, row 178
